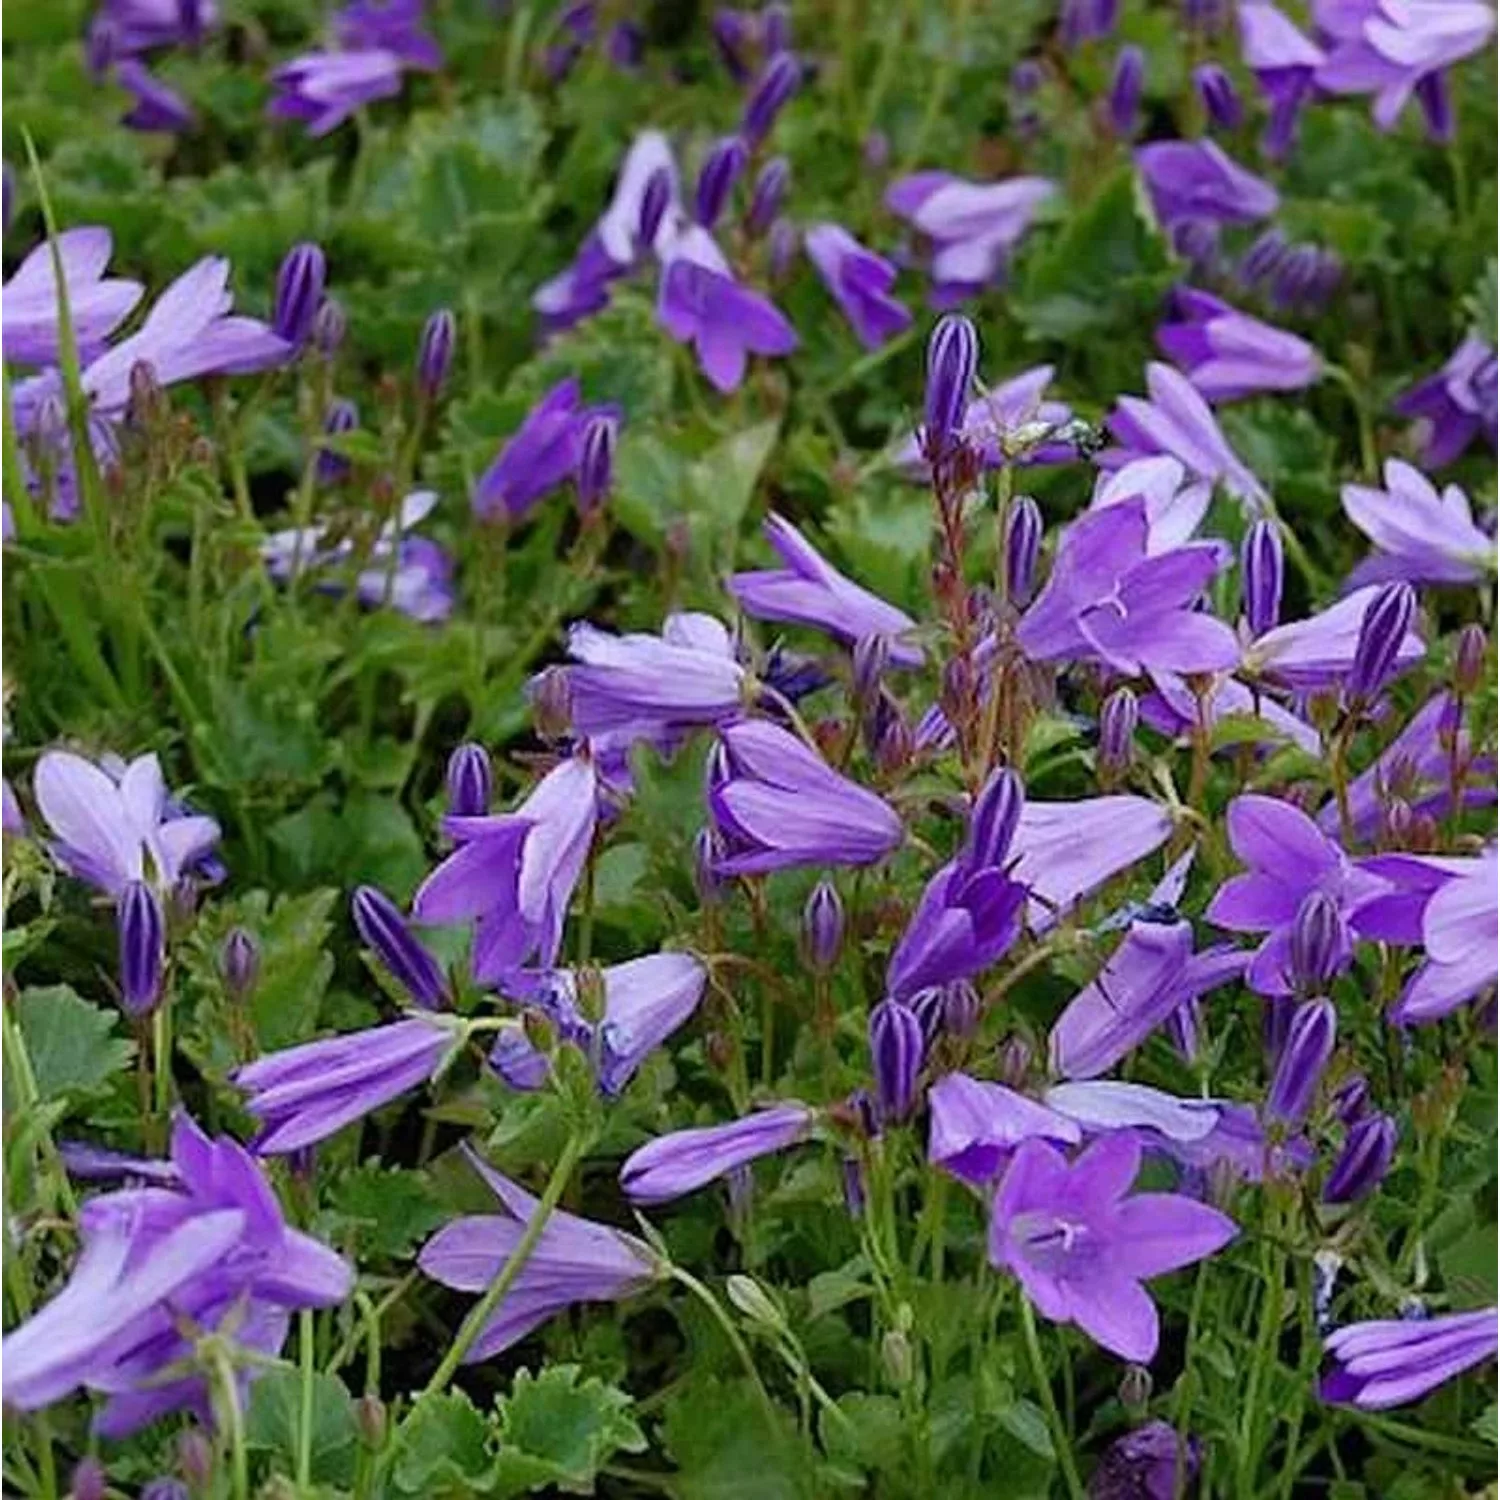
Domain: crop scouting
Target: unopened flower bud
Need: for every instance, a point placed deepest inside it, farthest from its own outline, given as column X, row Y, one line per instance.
column 782, row 248
column 1309, row 1045
column 1261, row 573
column 897, row 1050
column 768, row 196
column 239, row 963
column 1398, row 819
column 468, row 781
column 299, row 291
column 1468, row 659
column 369, row 1418
column 707, row 852
column 1319, row 943
column 596, row 464
column 329, row 327
column 855, row 1197
column 1135, row 1387
column 146, row 395
column 896, row 1356
column 752, row 1299
column 342, row 416
column 164, row 1487
column 1386, row 622
column 1125, row 92
column 1217, row 93
column 961, row 1008
column 1014, row 1061
column 1117, row 724
column 823, row 926
column 993, row 823
column 778, row 81
column 1351, row 1098
column 655, row 200
column 142, row 932
column 1369, row 1149
column 871, row 656
column 551, row 703
column 1023, row 542
column 776, row 29
column 1262, row 258
column 435, row 352
column 952, row 358
column 896, row 745
column 89, row 1480
column 195, row 1457
column 722, row 169
column 384, row 929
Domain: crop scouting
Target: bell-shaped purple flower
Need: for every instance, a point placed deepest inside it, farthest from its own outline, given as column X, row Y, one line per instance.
column 1304, row 1055
column 468, row 781
column 1319, row 652
column 575, row 1260
column 1124, row 103
column 1194, row 181
column 897, row 1051
column 680, row 1163
column 385, row 930
column 859, row 281
column 435, row 352
column 1421, row 536
column 142, row 931
column 322, row 89
column 1384, row 626
column 779, row 805
column 808, row 590
column 722, row 169
column 1285, row 63
column 1456, row 404
column 299, row 292
column 974, row 1126
column 1228, row 355
column 1395, row 1361
column 1154, row 1462
column 1369, row 1149
column 97, row 303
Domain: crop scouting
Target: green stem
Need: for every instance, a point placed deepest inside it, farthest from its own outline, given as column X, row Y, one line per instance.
column 233, row 1425
column 937, row 96
column 1185, row 1383
column 738, row 1344
column 161, row 1046
column 1274, row 1270
column 305, row 1415
column 483, row 1310
column 1060, row 1439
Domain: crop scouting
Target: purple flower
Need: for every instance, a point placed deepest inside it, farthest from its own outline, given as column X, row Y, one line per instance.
column 383, row 928
column 1288, row 857
column 645, row 686
column 1174, row 710
column 1081, row 1244
column 1175, row 505
column 1320, row 651
column 1422, row 537
column 809, row 591
column 1124, row 102
column 1394, row 50
column 723, row 167
column 1303, row 1056
column 97, row 303
column 142, row 933
column 1369, row 1149
column 1284, row 63
column 645, row 1000
column 514, row 873
column 141, row 25
column 768, row 196
column 1262, row 571
column 1149, row 978
column 212, row 1250
column 540, row 455
column 158, row 107
column 299, row 292
column 111, row 830
column 1459, row 922
column 973, row 226
column 700, row 303
column 778, row 81
column 1151, row 1463
column 970, row 912
column 575, row 1260
column 897, row 1051
column 435, row 353
column 973, row 1127
column 322, row 89
column 1386, row 623
column 12, row 819
column 304, row 1094
column 1217, row 93
column 1195, row 182
column 859, row 281
column 1455, row 405
column 1395, row 1361
column 1063, row 851
column 1176, row 420
column 779, row 805
column 1108, row 601
column 419, row 585
column 680, row 1163
column 393, row 25
column 823, row 926
column 1023, row 543
column 1229, row 355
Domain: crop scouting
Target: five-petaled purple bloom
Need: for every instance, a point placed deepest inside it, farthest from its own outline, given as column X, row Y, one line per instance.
column 859, row 281
column 1228, row 354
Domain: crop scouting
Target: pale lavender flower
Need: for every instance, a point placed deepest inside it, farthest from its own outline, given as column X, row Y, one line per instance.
column 859, row 281
column 304, row 1094
column 1284, row 63
column 1395, row 1361
column 142, row 25
column 97, row 303
column 111, row 830
column 680, row 1163
column 12, row 819
column 1423, row 537
column 1228, row 355
column 1081, row 1244
column 779, row 805
column 322, row 89
column 1459, row 919
column 700, row 303
column 1195, row 182
column 1456, row 404
column 394, row 25
column 575, row 1260
column 1320, row 651
column 973, row 1127
column 1175, row 504
column 810, row 591
column 1394, row 50
column 513, row 874
column 1108, row 601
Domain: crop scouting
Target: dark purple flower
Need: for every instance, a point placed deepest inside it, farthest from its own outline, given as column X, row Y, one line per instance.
column 1319, row 652
column 596, row 462
column 299, row 293
column 306, row 1093
column 722, row 169
column 1217, row 94
column 1304, row 1055
column 1117, row 724
column 952, row 360
column 778, row 81
column 1228, row 355
column 1385, row 625
column 768, row 196
column 322, row 89
column 860, row 282
column 897, row 1049
column 1195, row 181
column 1081, row 1244
column 778, row 805
column 1317, row 944
column 142, row 931
column 700, row 303
column 1151, row 1463
column 1455, row 405
column 575, row 1260
column 1261, row 572
column 157, row 107
column 239, row 963
column 1285, row 64
column 1395, row 1361
column 1369, row 1149
column 468, row 781
column 823, row 926
column 684, row 1161
column 385, row 930
column 435, row 352
column 1023, row 542
column 394, row 25
column 1124, row 102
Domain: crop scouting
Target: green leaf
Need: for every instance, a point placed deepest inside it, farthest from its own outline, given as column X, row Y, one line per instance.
column 388, row 1208
column 71, row 1044
column 558, row 1430
column 274, row 1421
column 443, row 1448
column 1027, row 1423
column 726, row 1447
column 724, row 480
column 871, row 1436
